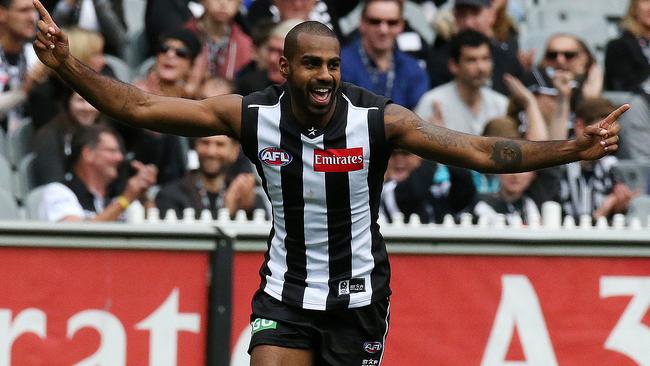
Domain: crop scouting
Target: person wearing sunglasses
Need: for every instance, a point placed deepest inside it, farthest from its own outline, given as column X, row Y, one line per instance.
column 569, row 53
column 373, row 61
column 176, row 52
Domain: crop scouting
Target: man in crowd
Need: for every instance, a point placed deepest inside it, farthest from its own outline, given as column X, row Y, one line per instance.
column 211, row 187
column 466, row 103
column 477, row 15
column 96, row 158
column 19, row 68
column 321, row 148
column 374, row 62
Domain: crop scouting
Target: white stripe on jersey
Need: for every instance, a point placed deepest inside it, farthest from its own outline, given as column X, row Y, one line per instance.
column 268, row 135
column 316, row 235
column 363, row 262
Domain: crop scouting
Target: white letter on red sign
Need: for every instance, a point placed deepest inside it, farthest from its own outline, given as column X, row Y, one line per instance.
column 164, row 325
column 112, row 337
column 27, row 321
column 630, row 336
column 519, row 307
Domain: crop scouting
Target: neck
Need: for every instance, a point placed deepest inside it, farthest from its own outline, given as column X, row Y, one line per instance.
column 10, row 44
column 171, row 88
column 316, row 120
column 213, row 184
column 469, row 94
column 216, row 30
column 93, row 182
column 382, row 58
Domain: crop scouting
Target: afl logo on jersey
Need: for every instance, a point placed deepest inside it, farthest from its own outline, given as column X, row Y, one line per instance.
column 274, row 156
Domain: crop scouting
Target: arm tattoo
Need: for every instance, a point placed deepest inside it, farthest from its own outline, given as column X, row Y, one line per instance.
column 506, row 155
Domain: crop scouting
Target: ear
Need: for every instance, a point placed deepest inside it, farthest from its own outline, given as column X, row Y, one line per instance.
column 234, row 152
column 284, row 67
column 3, row 14
column 87, row 154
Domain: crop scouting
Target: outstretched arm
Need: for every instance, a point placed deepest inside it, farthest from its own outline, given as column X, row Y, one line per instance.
column 214, row 116
column 405, row 130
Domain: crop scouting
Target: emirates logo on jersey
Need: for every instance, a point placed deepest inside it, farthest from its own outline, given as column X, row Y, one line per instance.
column 274, row 156
column 338, row 160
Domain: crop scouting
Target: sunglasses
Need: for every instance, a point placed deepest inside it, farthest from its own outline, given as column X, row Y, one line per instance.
column 181, row 52
column 378, row 21
column 553, row 55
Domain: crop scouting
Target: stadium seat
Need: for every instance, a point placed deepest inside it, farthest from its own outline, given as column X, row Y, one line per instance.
column 20, row 142
column 634, row 173
column 639, row 208
column 3, row 143
column 9, row 206
column 120, row 68
column 32, row 201
column 5, row 175
column 25, row 176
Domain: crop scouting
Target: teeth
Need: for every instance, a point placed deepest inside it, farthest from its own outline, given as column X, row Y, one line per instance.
column 323, row 90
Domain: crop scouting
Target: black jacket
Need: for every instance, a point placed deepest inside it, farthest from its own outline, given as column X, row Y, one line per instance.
column 626, row 67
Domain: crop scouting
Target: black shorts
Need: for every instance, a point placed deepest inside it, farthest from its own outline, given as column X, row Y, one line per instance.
column 346, row 337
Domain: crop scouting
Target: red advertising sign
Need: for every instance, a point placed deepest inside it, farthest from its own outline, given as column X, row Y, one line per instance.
column 490, row 310
column 102, row 307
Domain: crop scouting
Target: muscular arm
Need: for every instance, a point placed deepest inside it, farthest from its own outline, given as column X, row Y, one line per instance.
column 405, row 130
column 214, row 116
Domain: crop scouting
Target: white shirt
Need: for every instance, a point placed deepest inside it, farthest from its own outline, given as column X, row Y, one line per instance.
column 456, row 114
column 59, row 202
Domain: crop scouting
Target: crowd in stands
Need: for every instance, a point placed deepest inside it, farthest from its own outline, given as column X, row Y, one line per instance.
column 456, row 63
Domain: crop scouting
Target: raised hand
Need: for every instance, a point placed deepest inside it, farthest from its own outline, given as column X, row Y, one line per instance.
column 51, row 44
column 600, row 139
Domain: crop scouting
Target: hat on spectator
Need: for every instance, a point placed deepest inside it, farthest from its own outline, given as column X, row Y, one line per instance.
column 539, row 81
column 477, row 3
column 189, row 39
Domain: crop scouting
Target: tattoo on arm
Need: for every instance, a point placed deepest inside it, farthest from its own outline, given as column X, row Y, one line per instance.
column 506, row 155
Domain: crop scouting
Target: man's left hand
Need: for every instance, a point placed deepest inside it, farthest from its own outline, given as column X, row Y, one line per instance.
column 601, row 138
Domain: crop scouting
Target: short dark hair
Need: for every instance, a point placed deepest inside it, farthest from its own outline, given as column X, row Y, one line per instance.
column 310, row 27
column 88, row 136
column 466, row 38
column 368, row 2
column 592, row 110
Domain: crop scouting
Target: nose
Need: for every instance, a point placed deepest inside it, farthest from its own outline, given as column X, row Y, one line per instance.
column 324, row 74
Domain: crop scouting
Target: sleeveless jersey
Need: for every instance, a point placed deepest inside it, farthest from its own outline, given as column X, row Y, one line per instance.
column 324, row 249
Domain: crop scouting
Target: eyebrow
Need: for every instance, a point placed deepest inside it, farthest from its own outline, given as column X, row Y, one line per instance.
column 312, row 58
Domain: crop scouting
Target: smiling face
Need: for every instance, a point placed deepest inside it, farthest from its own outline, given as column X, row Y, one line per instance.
column 105, row 158
column 81, row 111
column 19, row 19
column 216, row 154
column 313, row 74
column 174, row 61
column 380, row 26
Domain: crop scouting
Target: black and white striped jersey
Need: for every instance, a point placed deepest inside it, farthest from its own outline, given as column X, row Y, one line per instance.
column 324, row 250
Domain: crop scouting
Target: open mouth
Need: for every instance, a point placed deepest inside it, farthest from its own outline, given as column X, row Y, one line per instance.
column 320, row 96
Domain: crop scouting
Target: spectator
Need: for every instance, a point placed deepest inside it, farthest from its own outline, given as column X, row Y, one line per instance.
column 424, row 188
column 210, row 187
column 226, row 48
column 269, row 74
column 19, row 68
column 477, row 15
column 103, row 16
column 568, row 53
column 553, row 96
column 511, row 200
column 96, row 156
column 325, row 11
column 627, row 58
column 164, row 16
column 167, row 77
column 467, row 103
column 374, row 62
column 589, row 188
column 52, row 143
column 47, row 99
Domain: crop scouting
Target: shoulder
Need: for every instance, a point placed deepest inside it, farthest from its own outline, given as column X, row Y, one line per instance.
column 362, row 98
column 268, row 96
column 59, row 202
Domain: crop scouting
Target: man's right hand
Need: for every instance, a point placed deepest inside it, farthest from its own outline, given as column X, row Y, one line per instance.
column 143, row 179
column 51, row 44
